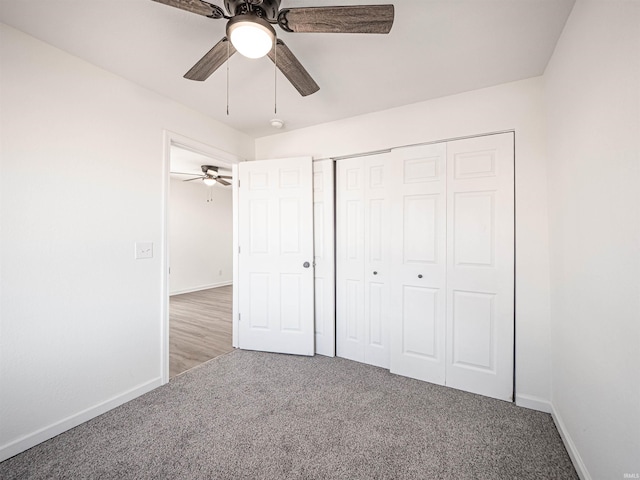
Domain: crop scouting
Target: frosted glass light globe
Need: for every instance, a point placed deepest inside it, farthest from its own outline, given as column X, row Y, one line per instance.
column 251, row 36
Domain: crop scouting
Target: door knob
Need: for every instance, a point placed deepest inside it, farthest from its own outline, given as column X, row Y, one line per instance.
column 420, row 276
column 375, row 273
column 306, row 264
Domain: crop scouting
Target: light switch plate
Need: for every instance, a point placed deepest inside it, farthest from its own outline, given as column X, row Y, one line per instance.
column 144, row 250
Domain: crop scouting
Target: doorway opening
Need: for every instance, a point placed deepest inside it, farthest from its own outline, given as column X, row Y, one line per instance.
column 198, row 285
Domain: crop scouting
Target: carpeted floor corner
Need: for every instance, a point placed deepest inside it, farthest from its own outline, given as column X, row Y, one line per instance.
column 253, row 415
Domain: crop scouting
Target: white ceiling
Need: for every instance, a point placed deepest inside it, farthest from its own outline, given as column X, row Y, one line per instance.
column 435, row 48
column 187, row 161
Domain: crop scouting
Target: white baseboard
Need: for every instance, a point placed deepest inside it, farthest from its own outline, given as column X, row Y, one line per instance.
column 39, row 436
column 578, row 464
column 201, row 287
column 534, row 403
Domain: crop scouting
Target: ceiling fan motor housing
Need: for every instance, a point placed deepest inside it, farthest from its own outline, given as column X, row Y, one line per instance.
column 262, row 8
column 205, row 169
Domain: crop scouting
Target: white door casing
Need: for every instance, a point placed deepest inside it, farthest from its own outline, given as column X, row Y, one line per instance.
column 480, row 265
column 324, row 256
column 418, row 288
column 275, row 231
column 362, row 252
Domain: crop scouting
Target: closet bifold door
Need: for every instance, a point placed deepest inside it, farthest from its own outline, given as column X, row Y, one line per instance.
column 362, row 259
column 480, row 265
column 418, row 287
column 324, row 257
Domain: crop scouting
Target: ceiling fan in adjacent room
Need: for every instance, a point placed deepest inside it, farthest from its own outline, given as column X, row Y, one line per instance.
column 210, row 176
column 250, row 31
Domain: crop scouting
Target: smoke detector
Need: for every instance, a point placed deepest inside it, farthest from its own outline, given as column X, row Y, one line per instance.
column 277, row 123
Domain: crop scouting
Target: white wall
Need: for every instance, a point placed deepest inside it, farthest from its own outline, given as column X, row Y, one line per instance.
column 81, row 166
column 593, row 101
column 200, row 236
column 82, row 179
column 518, row 106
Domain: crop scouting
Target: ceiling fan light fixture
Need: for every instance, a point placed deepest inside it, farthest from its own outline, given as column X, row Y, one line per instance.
column 251, row 35
column 209, row 181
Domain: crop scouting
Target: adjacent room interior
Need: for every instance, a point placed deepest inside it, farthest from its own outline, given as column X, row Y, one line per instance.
column 200, row 270
column 92, row 100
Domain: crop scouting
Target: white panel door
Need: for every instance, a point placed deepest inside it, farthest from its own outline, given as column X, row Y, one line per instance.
column 418, row 288
column 377, row 261
column 350, row 259
column 480, row 270
column 363, row 263
column 276, row 291
column 324, row 257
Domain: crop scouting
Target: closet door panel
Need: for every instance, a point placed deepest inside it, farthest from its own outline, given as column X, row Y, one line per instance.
column 420, row 228
column 480, row 273
column 419, row 263
column 376, row 272
column 419, row 322
column 425, row 251
column 350, row 258
column 363, row 263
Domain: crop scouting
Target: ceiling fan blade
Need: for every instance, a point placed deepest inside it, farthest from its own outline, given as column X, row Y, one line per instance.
column 289, row 65
column 211, row 61
column 225, row 176
column 195, row 6
column 222, row 182
column 344, row 19
column 192, row 179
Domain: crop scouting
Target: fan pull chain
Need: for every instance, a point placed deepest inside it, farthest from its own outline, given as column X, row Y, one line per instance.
column 275, row 76
column 228, row 56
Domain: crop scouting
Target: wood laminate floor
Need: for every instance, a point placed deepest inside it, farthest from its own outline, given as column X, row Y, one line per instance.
column 199, row 328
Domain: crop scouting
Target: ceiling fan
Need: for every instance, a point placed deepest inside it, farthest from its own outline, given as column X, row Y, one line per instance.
column 209, row 176
column 250, row 31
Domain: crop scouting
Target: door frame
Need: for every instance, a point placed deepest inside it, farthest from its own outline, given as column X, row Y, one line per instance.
column 229, row 160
